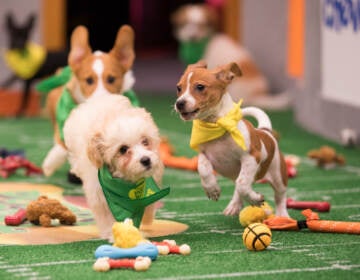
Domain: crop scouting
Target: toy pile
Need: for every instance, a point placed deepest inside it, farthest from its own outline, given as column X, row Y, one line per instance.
column 132, row 251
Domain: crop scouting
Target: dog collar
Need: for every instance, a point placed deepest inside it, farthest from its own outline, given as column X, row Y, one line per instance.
column 25, row 63
column 192, row 52
column 205, row 131
column 127, row 199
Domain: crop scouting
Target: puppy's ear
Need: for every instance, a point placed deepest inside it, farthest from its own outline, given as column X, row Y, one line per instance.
column 123, row 48
column 200, row 64
column 10, row 22
column 30, row 22
column 79, row 45
column 228, row 72
column 96, row 149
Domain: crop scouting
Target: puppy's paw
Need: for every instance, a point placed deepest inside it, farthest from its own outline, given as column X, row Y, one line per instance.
column 256, row 199
column 47, row 170
column 232, row 209
column 213, row 192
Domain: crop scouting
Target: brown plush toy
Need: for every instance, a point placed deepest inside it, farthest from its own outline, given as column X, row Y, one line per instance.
column 326, row 157
column 42, row 210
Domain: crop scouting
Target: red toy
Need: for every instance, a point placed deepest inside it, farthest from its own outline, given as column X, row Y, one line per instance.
column 17, row 219
column 10, row 164
column 320, row 206
column 166, row 247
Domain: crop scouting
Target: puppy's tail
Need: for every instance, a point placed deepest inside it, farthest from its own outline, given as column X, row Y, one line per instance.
column 261, row 117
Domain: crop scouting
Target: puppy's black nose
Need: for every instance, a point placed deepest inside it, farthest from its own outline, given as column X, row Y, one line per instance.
column 145, row 161
column 180, row 105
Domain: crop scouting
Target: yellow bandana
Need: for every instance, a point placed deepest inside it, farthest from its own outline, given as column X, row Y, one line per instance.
column 205, row 131
column 26, row 63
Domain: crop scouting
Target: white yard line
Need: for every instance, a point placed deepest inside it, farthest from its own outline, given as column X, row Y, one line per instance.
column 44, row 264
column 258, row 273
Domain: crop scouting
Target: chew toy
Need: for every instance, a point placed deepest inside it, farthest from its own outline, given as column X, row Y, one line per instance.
column 17, row 219
column 166, row 247
column 313, row 223
column 257, row 237
column 169, row 160
column 139, row 264
column 141, row 250
column 320, row 206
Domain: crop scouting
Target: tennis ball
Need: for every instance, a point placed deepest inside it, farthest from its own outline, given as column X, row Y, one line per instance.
column 257, row 237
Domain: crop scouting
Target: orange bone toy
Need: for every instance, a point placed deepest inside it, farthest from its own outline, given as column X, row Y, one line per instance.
column 313, row 223
column 138, row 264
column 169, row 160
column 166, row 247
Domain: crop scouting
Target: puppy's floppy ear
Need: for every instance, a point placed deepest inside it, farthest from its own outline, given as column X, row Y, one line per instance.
column 228, row 72
column 96, row 149
column 123, row 48
column 79, row 44
column 200, row 64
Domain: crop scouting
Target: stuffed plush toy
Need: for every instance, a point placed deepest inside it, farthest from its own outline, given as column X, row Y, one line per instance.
column 255, row 214
column 126, row 235
column 326, row 157
column 44, row 209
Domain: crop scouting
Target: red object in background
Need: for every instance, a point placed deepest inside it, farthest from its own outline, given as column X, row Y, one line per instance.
column 320, row 206
column 10, row 164
column 17, row 219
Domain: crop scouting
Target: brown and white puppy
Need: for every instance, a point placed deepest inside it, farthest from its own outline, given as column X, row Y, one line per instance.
column 203, row 95
column 108, row 130
column 93, row 73
column 195, row 22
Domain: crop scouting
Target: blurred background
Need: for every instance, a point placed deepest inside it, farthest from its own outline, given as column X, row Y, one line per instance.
column 308, row 48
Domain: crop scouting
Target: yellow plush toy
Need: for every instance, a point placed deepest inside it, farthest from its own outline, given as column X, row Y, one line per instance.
column 126, row 235
column 255, row 214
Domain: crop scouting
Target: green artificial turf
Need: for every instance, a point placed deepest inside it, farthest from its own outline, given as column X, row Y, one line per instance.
column 215, row 240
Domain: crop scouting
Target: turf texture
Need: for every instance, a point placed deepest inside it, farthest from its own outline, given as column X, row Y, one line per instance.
column 215, row 240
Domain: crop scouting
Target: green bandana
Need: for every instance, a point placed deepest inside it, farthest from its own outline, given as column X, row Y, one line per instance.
column 126, row 199
column 192, row 52
column 63, row 108
column 59, row 79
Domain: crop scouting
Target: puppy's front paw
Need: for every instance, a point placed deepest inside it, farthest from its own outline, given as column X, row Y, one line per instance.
column 213, row 192
column 232, row 209
column 256, row 199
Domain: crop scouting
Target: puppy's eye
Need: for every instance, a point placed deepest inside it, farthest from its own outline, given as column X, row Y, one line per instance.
column 110, row 79
column 200, row 87
column 89, row 80
column 123, row 149
column 178, row 88
column 145, row 142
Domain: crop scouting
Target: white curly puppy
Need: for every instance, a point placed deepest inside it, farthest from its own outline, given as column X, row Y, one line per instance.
column 110, row 140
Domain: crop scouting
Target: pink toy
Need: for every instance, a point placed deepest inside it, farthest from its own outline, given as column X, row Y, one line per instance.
column 17, row 219
column 320, row 206
column 10, row 164
column 166, row 247
column 138, row 264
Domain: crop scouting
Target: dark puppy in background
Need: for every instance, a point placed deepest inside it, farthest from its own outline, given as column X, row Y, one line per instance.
column 26, row 60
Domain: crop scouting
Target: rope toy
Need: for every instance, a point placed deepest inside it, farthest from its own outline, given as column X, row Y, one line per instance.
column 313, row 223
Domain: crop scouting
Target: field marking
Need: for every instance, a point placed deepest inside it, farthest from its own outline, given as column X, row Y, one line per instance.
column 295, row 247
column 257, row 273
column 296, row 193
column 44, row 264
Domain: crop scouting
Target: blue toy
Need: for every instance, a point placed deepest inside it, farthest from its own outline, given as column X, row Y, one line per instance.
column 142, row 250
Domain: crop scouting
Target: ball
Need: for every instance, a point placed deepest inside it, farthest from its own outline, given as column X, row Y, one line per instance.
column 256, row 237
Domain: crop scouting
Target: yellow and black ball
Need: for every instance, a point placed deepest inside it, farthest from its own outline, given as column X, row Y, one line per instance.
column 257, row 236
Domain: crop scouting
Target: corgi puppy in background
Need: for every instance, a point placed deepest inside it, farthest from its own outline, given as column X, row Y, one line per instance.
column 92, row 74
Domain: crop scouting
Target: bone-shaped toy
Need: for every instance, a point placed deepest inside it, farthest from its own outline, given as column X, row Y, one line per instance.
column 141, row 250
